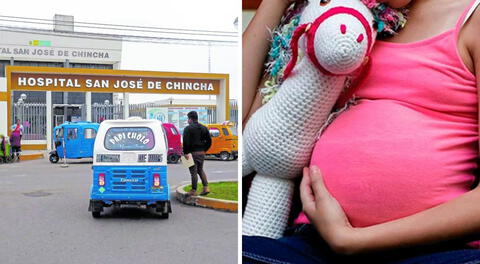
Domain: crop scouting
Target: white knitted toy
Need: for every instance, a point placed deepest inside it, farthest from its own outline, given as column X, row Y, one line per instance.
column 336, row 37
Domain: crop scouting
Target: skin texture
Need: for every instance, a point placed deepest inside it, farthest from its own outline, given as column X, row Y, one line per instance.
column 455, row 219
column 396, row 3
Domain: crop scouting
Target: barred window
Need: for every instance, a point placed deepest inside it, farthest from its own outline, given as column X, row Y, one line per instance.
column 91, row 66
column 39, row 63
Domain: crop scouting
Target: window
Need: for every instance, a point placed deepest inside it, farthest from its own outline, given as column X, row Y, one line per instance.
column 32, row 96
column 174, row 131
column 91, row 66
column 3, row 64
column 59, row 134
column 129, row 138
column 225, row 131
column 72, row 133
column 214, row 132
column 90, row 133
column 234, row 131
column 39, row 63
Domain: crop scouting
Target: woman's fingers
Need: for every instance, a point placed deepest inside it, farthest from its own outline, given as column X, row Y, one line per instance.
column 317, row 183
column 306, row 193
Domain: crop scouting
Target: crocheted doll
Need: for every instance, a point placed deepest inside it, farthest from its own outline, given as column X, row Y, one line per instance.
column 336, row 37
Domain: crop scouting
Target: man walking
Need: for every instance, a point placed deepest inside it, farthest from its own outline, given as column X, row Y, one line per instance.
column 196, row 140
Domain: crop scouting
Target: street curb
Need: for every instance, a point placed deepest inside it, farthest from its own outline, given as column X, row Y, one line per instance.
column 206, row 202
column 25, row 157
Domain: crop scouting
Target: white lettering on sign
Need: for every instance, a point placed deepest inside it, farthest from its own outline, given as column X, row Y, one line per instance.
column 97, row 83
column 130, row 135
column 22, row 81
column 154, row 85
column 41, row 82
column 128, row 84
column 189, row 86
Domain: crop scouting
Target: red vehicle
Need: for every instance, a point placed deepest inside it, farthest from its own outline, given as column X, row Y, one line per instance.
column 174, row 140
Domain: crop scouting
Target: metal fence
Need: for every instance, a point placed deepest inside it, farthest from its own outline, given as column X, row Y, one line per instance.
column 141, row 110
column 34, row 120
column 102, row 112
column 212, row 115
column 234, row 111
column 34, row 115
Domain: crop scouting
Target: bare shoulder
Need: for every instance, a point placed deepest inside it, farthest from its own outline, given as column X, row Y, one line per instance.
column 470, row 36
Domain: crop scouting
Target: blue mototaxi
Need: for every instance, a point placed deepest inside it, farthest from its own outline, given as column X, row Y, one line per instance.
column 73, row 140
column 130, row 166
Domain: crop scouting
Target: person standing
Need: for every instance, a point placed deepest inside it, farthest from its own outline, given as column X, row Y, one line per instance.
column 3, row 148
column 15, row 139
column 196, row 141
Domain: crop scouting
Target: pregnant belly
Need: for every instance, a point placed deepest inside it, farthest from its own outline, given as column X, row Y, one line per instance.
column 383, row 160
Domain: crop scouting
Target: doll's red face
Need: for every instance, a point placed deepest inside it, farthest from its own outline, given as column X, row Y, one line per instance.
column 396, row 3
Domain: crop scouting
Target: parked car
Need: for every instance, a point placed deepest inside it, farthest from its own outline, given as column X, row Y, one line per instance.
column 130, row 166
column 73, row 140
column 174, row 140
column 224, row 141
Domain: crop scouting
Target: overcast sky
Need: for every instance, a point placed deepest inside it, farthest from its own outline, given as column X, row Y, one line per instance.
column 218, row 15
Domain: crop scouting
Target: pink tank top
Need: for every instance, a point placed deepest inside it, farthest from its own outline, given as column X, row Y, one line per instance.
column 411, row 141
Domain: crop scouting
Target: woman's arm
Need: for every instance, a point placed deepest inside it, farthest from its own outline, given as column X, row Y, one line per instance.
column 257, row 103
column 255, row 48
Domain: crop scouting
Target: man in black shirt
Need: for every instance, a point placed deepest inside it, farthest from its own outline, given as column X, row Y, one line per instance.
column 196, row 140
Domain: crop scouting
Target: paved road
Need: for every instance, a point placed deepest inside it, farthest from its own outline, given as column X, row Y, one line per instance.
column 44, row 219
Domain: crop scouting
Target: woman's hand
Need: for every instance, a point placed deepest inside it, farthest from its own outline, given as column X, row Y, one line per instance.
column 326, row 214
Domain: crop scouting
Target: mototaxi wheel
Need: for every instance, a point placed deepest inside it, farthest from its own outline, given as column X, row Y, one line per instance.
column 53, row 158
column 164, row 215
column 173, row 158
column 96, row 214
column 224, row 156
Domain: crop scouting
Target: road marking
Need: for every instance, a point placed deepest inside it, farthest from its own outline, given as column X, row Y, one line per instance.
column 226, row 171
